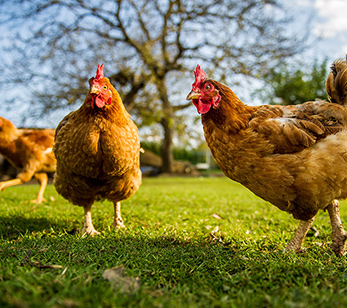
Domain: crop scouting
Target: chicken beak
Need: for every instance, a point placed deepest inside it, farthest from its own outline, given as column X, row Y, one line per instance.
column 94, row 89
column 193, row 95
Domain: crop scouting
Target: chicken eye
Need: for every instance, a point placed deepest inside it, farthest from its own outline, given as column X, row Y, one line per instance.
column 105, row 87
column 208, row 87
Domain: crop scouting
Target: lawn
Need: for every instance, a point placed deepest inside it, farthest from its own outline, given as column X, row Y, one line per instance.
column 166, row 257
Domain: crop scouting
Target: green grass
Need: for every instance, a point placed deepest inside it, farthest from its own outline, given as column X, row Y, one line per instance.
column 45, row 262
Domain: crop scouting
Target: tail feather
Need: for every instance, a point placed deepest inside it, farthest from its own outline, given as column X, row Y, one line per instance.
column 336, row 84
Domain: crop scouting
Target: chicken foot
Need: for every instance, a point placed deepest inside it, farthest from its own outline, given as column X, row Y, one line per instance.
column 118, row 221
column 338, row 234
column 88, row 227
column 295, row 243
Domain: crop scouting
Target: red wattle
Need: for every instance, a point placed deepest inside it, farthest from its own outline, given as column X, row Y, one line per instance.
column 99, row 102
column 202, row 106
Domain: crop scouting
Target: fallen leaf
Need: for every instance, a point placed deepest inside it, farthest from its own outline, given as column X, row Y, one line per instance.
column 217, row 216
column 215, row 230
column 120, row 280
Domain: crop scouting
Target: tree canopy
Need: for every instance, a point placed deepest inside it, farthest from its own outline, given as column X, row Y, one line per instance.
column 149, row 47
column 293, row 85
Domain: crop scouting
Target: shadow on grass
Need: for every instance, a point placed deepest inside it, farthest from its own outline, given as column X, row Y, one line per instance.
column 13, row 227
column 170, row 267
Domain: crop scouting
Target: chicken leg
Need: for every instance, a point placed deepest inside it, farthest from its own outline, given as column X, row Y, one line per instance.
column 42, row 178
column 295, row 243
column 9, row 183
column 88, row 227
column 118, row 221
column 338, row 234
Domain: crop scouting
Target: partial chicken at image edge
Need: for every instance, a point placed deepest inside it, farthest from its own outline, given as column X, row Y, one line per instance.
column 291, row 156
column 29, row 150
column 97, row 149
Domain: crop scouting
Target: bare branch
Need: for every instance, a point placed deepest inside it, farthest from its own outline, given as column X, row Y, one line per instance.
column 52, row 47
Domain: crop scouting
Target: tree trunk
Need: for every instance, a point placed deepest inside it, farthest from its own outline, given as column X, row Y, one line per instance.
column 168, row 127
column 166, row 147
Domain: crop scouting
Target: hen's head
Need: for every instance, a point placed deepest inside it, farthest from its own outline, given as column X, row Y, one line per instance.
column 204, row 95
column 100, row 93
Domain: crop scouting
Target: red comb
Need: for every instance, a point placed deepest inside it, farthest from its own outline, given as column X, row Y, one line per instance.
column 99, row 72
column 200, row 76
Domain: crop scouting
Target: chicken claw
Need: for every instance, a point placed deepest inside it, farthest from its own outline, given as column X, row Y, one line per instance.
column 38, row 200
column 89, row 231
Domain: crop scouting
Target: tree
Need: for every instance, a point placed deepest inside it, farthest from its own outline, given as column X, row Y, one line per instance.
column 292, row 85
column 150, row 48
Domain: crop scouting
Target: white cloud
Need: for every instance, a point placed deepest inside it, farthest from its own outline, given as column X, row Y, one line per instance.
column 304, row 3
column 331, row 17
column 327, row 21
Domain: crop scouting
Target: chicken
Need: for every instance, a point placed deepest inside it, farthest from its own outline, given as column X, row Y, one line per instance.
column 295, row 157
column 97, row 149
column 336, row 85
column 29, row 150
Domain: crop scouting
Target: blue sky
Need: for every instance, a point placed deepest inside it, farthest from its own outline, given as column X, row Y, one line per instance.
column 327, row 21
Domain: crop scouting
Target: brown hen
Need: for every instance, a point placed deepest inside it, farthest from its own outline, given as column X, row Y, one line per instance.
column 97, row 149
column 295, row 157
